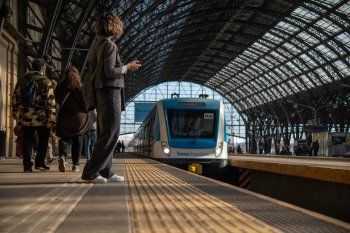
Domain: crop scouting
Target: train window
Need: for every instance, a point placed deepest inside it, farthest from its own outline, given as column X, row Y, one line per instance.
column 191, row 123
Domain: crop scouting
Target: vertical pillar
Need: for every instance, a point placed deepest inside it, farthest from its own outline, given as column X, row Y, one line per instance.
column 22, row 27
column 286, row 134
column 249, row 136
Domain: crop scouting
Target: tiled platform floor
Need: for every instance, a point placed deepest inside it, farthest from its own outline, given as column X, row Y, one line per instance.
column 154, row 198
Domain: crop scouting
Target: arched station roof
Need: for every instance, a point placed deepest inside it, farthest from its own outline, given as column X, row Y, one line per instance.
column 257, row 53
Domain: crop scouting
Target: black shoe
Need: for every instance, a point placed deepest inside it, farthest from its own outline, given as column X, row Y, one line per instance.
column 27, row 170
column 42, row 168
column 50, row 161
column 62, row 164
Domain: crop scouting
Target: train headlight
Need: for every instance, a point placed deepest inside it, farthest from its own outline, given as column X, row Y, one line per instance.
column 218, row 149
column 165, row 148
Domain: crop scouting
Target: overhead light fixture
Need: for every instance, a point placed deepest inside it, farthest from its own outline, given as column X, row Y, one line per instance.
column 344, row 85
column 295, row 105
column 175, row 95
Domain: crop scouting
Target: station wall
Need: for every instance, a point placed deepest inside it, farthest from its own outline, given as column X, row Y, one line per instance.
column 8, row 79
column 11, row 64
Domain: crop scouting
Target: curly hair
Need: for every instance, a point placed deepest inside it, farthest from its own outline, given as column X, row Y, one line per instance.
column 109, row 24
column 71, row 78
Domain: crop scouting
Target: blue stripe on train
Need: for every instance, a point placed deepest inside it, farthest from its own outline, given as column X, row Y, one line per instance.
column 185, row 143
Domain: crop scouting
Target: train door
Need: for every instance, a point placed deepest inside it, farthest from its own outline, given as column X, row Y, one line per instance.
column 146, row 139
column 149, row 139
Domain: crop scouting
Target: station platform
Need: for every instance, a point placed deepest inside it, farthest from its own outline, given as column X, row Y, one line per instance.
column 154, row 198
column 327, row 169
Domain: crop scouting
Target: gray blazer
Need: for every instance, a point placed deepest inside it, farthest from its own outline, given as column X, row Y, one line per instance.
column 104, row 53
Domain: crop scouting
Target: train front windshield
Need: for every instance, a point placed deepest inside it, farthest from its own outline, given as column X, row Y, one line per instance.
column 191, row 123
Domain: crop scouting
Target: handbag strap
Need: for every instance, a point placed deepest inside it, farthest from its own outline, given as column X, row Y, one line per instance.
column 64, row 100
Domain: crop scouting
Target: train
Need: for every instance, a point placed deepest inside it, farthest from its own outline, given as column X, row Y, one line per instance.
column 182, row 131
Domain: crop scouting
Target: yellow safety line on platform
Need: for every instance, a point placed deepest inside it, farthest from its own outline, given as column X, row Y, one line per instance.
column 160, row 202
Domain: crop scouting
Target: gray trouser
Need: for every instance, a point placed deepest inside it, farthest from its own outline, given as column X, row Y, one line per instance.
column 108, row 127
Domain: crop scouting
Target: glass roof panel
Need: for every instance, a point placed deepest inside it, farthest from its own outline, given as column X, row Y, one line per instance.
column 298, row 84
column 307, row 81
column 309, row 39
column 327, row 26
column 344, row 38
column 154, row 32
column 343, row 68
column 344, row 9
column 327, row 3
column 304, row 14
column 304, row 50
column 287, row 27
column 326, row 52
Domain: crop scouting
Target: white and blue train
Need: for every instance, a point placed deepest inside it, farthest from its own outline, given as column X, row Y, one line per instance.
column 183, row 131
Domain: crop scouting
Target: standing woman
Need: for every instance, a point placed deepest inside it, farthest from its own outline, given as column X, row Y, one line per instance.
column 109, row 84
column 73, row 120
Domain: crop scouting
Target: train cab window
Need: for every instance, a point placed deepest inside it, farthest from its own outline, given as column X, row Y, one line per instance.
column 191, row 123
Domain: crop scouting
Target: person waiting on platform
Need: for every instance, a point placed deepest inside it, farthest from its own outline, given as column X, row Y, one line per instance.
column 34, row 108
column 109, row 95
column 72, row 120
column 298, row 150
column 316, row 146
column 123, row 147
column 239, row 150
column 118, row 147
column 90, row 135
column 285, row 150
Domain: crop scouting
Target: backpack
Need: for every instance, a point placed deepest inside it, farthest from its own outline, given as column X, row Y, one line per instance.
column 28, row 93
